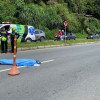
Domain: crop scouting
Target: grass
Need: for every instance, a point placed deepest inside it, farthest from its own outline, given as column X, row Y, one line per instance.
column 81, row 36
column 33, row 44
column 82, row 41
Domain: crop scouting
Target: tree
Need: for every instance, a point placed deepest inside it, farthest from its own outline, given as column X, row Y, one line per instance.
column 97, row 9
column 19, row 5
column 7, row 11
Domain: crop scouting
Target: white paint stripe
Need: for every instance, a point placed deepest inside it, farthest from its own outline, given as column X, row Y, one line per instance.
column 4, row 70
column 10, row 68
column 21, row 66
column 47, row 61
column 25, row 66
column 14, row 55
column 14, row 47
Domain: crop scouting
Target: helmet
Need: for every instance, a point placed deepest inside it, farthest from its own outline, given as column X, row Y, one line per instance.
column 4, row 39
column 14, row 28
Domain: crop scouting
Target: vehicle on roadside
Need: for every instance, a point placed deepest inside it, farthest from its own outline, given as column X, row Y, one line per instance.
column 40, row 35
column 26, row 32
column 93, row 36
column 70, row 36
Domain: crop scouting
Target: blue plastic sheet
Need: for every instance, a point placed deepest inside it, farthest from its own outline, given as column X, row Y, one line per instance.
column 19, row 62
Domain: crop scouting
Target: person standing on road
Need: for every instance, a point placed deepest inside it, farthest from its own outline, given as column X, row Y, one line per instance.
column 12, row 38
column 4, row 43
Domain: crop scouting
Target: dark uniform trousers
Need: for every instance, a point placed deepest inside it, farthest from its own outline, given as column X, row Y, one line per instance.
column 12, row 46
column 4, row 43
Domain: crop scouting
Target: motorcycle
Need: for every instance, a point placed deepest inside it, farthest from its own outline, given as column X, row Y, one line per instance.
column 57, row 37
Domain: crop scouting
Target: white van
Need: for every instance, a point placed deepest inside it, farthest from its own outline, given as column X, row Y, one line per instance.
column 26, row 32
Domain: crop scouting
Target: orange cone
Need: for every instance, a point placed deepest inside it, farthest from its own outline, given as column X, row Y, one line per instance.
column 14, row 70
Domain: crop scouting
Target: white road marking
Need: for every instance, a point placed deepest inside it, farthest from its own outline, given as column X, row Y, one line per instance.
column 10, row 68
column 47, row 61
column 4, row 70
column 25, row 66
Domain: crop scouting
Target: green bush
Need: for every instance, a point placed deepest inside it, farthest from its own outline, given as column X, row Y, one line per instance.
column 93, row 24
column 81, row 36
column 74, row 24
column 50, row 15
column 7, row 11
column 49, row 33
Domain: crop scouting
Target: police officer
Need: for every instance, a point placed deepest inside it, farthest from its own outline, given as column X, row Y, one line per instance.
column 12, row 38
column 4, row 43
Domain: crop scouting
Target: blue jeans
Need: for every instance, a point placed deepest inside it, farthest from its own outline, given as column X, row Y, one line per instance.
column 62, row 37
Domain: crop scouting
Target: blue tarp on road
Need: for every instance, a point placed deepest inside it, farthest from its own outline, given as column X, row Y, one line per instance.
column 19, row 62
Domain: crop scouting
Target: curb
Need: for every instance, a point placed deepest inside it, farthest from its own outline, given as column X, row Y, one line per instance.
column 53, row 46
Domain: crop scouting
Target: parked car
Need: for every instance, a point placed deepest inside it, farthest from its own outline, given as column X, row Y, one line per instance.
column 40, row 35
column 93, row 36
column 71, row 36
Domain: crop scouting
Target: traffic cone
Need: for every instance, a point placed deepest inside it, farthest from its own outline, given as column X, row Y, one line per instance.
column 14, row 70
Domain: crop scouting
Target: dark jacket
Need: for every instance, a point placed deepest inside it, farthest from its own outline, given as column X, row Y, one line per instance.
column 4, row 35
column 13, row 34
column 63, row 33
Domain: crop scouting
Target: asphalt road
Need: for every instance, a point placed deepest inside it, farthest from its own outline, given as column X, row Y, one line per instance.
column 67, row 73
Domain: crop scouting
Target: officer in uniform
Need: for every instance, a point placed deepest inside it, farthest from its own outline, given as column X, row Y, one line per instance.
column 12, row 38
column 4, row 43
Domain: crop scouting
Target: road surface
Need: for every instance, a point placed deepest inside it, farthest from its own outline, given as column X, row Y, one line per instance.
column 67, row 73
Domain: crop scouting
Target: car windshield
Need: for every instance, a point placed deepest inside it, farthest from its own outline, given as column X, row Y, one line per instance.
column 90, row 34
column 41, row 32
column 71, row 34
column 36, row 32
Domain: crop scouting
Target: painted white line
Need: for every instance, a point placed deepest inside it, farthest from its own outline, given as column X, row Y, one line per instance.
column 4, row 70
column 47, row 61
column 21, row 66
column 10, row 68
column 25, row 66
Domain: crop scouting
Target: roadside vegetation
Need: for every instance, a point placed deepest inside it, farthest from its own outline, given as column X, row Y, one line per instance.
column 22, row 45
column 49, row 15
column 48, row 43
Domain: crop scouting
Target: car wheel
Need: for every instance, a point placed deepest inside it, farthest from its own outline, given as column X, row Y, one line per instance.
column 28, row 40
column 67, row 39
column 42, row 39
column 55, row 39
column 35, row 40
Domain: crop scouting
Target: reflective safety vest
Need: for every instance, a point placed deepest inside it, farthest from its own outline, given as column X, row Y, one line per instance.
column 14, row 32
column 3, row 32
column 3, row 37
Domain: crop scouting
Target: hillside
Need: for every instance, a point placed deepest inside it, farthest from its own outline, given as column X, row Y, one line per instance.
column 83, row 16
